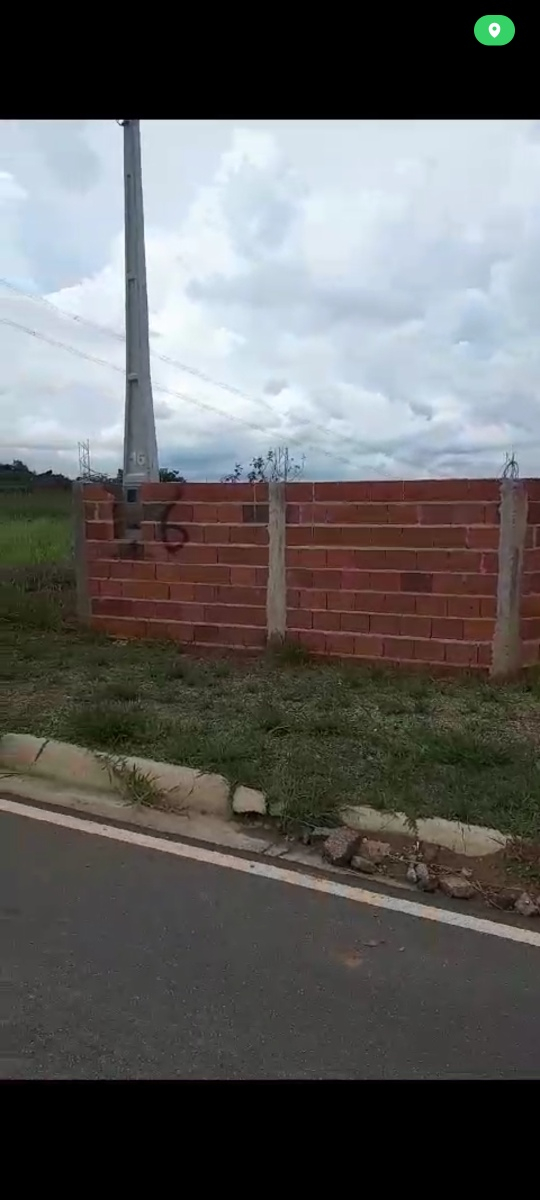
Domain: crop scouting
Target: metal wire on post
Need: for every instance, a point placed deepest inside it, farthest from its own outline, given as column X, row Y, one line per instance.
column 511, row 467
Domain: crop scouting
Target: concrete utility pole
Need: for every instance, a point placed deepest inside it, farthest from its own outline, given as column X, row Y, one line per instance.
column 140, row 444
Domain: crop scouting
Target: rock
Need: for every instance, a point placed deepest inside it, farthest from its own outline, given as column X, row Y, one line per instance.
column 506, row 898
column 312, row 837
column 427, row 882
column 248, row 800
column 376, row 851
column 359, row 863
column 457, row 886
column 428, row 852
column 526, row 906
column 411, row 874
column 341, row 846
column 466, row 871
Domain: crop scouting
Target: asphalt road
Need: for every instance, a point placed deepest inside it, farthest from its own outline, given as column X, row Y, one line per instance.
column 123, row 962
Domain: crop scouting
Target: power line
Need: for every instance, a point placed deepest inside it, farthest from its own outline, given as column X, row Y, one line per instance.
column 171, row 392
column 165, row 358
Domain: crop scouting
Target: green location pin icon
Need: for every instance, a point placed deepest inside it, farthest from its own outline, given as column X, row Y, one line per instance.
column 494, row 30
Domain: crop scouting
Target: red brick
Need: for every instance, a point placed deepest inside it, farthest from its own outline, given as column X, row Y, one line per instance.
column 326, row 580
column 299, row 493
column 101, row 570
column 249, row 556
column 472, row 585
column 485, row 654
column 490, row 563
column 313, row 598
column 450, row 560
column 484, row 489
column 312, row 639
column 478, row 630
column 326, row 620
column 122, row 568
column 203, row 593
column 141, row 589
column 354, row 622
column 463, row 606
column 488, row 607
column 150, row 532
column 252, row 535
column 183, row 592
column 207, row 574
column 353, row 490
column 305, row 557
column 355, row 581
column 530, row 654
column 385, row 624
column 94, row 586
column 339, row 644
column 530, row 628
column 431, row 606
column 446, row 627
column 401, row 560
column 227, row 614
column 206, row 633
column 533, row 515
column 399, row 649
column 99, row 531
column 217, row 534
column 161, row 492
column 230, row 514
column 339, row 535
column 532, row 560
column 113, row 608
column 175, row 631
column 403, row 514
column 95, row 491
column 340, row 601
column 415, row 627
column 415, row 581
column 388, row 490
column 429, row 650
column 97, row 510
column 394, row 602
column 530, row 583
column 299, row 619
column 299, row 577
column 451, row 514
column 463, row 654
column 241, row 595
column 118, row 627
column 159, row 552
column 530, row 606
column 249, row 576
column 385, row 581
column 435, row 489
column 347, row 560
column 168, row 572
column 149, row 610
column 293, row 597
column 352, row 514
column 483, row 537
column 252, row 637
column 220, row 493
column 367, row 645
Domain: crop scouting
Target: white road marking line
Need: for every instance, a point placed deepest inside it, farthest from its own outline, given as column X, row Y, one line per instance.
column 265, row 870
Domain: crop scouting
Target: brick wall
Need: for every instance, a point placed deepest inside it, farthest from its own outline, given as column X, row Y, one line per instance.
column 530, row 587
column 198, row 574
column 406, row 572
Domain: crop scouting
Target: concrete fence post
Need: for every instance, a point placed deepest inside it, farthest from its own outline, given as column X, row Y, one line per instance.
column 506, row 656
column 84, row 606
column 276, row 593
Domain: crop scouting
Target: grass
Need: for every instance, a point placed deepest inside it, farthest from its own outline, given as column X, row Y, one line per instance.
column 313, row 736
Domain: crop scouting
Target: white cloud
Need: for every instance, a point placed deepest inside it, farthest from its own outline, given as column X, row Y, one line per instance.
column 372, row 286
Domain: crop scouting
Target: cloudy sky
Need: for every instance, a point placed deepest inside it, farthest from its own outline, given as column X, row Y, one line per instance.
column 366, row 292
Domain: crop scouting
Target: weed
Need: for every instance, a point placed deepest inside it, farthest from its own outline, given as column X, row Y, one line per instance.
column 108, row 726
column 136, row 786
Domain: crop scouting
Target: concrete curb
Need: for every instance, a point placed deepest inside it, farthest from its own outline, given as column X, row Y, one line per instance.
column 186, row 790
column 183, row 789
column 472, row 840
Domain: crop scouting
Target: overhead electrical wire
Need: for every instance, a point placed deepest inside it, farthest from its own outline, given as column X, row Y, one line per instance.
column 119, row 336
column 203, row 404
